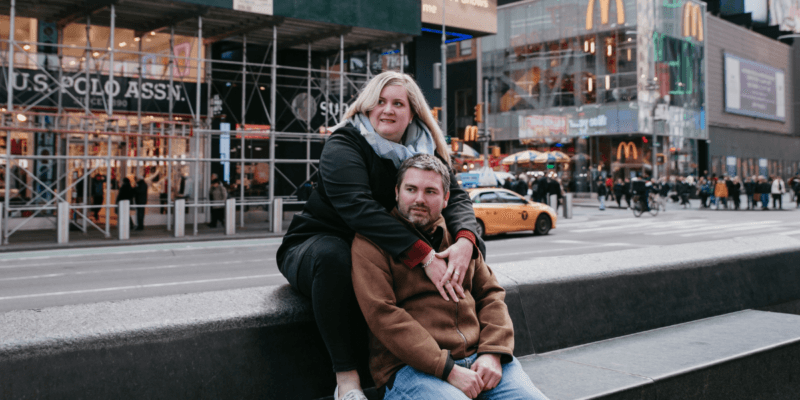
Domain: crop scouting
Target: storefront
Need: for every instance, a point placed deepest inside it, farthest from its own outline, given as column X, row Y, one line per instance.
column 602, row 83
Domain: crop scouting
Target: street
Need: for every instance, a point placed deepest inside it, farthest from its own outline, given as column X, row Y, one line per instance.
column 33, row 280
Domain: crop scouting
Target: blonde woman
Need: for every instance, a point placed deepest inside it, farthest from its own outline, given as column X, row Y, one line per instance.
column 389, row 122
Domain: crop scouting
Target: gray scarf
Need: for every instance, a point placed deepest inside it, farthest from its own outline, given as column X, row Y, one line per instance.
column 417, row 139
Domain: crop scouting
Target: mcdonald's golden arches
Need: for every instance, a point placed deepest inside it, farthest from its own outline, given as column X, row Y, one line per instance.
column 628, row 147
column 604, row 9
column 692, row 21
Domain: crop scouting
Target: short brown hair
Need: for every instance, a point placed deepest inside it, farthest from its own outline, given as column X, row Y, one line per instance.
column 425, row 162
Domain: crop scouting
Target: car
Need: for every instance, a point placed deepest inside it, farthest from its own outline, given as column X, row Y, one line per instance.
column 499, row 211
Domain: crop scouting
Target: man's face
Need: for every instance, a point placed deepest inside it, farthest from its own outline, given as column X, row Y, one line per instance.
column 420, row 197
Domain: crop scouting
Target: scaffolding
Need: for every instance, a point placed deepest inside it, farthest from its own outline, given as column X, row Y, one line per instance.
column 74, row 126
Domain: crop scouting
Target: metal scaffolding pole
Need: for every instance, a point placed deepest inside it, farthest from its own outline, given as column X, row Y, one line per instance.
column 10, row 86
column 273, row 100
column 112, row 46
column 244, row 111
column 369, row 65
column 168, row 180
column 244, row 79
column 196, row 138
column 108, row 186
column 402, row 56
column 341, row 77
column 308, row 114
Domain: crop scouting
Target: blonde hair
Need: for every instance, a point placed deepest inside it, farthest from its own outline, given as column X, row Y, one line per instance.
column 367, row 100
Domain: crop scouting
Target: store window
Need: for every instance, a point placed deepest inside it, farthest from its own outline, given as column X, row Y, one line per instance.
column 452, row 50
column 465, row 47
column 25, row 35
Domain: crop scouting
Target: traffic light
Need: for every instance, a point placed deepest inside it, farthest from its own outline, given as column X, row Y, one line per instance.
column 471, row 133
column 454, row 145
column 496, row 151
column 435, row 112
column 479, row 113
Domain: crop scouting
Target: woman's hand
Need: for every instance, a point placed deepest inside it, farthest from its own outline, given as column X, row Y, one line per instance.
column 435, row 272
column 459, row 256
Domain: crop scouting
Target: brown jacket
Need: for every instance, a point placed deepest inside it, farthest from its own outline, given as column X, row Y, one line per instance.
column 411, row 324
column 721, row 189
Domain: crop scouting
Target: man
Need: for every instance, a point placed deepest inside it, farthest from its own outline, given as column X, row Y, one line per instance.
column 601, row 193
column 218, row 195
column 778, row 189
column 415, row 352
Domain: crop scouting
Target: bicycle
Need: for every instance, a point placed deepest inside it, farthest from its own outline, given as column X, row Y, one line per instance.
column 637, row 208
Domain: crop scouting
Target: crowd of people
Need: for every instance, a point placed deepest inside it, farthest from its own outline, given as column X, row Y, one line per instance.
column 714, row 192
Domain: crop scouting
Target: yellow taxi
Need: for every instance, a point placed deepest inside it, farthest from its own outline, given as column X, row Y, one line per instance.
column 500, row 210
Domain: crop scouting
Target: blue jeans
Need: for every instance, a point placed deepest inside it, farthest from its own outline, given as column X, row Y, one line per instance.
column 764, row 200
column 411, row 384
column 602, row 201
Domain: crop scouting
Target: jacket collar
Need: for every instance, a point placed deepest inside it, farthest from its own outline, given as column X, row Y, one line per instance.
column 426, row 232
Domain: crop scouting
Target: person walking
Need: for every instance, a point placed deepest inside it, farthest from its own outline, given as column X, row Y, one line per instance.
column 602, row 190
column 627, row 191
column 683, row 190
column 619, row 191
column 610, row 188
column 704, row 191
column 98, row 186
column 218, row 194
column 521, row 186
column 778, row 189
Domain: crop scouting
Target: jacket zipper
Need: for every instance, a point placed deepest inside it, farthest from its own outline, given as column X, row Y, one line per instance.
column 459, row 331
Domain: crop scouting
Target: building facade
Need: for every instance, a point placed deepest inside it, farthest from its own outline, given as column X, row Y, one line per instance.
column 619, row 86
column 175, row 92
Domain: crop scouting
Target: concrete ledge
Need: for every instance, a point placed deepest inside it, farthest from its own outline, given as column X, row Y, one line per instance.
column 568, row 301
column 263, row 343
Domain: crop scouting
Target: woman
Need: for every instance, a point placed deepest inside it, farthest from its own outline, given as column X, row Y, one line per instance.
column 388, row 122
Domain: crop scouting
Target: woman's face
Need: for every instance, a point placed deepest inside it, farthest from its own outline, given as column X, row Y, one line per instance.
column 391, row 116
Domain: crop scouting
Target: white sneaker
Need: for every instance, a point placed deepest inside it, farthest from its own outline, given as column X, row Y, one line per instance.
column 354, row 394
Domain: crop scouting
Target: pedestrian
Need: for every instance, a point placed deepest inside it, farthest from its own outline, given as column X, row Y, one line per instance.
column 610, row 188
column 627, row 191
column 619, row 191
column 541, row 193
column 521, row 186
column 703, row 191
column 663, row 193
column 683, row 192
column 140, row 197
column 388, row 122
column 98, row 185
column 735, row 192
column 602, row 190
column 778, row 189
column 749, row 191
column 721, row 193
column 126, row 192
column 554, row 188
column 218, row 196
column 763, row 190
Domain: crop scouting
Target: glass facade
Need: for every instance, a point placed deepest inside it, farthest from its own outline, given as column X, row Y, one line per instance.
column 584, row 77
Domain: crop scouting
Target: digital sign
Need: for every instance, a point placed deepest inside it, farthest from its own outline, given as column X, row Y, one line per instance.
column 754, row 90
column 478, row 16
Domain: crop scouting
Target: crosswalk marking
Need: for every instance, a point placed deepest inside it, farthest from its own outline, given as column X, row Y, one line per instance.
column 686, row 228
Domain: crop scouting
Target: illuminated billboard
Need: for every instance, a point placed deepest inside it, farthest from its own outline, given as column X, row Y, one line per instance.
column 754, row 89
column 478, row 16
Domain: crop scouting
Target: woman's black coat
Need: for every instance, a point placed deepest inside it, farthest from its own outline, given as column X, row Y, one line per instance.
column 356, row 193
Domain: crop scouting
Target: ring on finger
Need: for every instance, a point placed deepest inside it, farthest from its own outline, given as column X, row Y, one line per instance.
column 456, row 273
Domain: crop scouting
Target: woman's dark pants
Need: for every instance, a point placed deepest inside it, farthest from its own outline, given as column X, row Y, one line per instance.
column 320, row 269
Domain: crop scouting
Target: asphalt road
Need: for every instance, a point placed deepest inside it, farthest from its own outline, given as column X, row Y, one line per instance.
column 32, row 280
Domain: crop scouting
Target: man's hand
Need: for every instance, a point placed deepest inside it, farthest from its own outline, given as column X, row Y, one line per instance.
column 459, row 256
column 435, row 272
column 466, row 381
column 489, row 369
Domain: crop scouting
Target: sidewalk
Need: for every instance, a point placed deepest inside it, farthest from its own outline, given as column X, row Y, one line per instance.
column 48, row 239
column 788, row 205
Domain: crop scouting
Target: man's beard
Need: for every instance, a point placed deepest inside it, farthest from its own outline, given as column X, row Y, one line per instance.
column 418, row 220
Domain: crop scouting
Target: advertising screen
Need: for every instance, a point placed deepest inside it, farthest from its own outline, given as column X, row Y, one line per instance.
column 478, row 16
column 754, row 89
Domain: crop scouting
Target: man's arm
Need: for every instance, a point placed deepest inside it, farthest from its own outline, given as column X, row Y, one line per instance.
column 402, row 335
